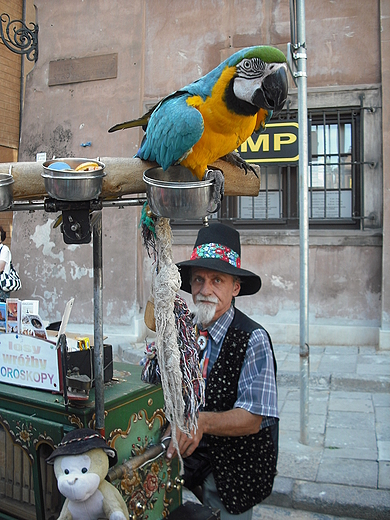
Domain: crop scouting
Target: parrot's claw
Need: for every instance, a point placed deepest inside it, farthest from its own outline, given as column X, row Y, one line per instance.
column 219, row 186
column 236, row 160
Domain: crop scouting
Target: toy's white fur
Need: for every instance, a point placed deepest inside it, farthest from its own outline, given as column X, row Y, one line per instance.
column 80, row 478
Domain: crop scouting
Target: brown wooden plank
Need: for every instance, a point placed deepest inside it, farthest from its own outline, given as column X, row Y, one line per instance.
column 18, row 510
column 8, row 154
column 10, row 67
column 52, row 497
column 8, row 83
column 10, row 60
column 10, row 140
column 32, row 494
column 11, row 104
column 27, row 480
column 10, row 70
column 17, row 477
column 2, row 461
column 9, row 461
column 12, row 7
column 44, row 483
column 10, row 115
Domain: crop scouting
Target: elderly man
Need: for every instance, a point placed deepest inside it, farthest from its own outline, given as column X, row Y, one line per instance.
column 233, row 453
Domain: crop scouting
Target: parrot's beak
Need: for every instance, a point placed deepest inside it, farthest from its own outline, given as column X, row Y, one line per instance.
column 273, row 92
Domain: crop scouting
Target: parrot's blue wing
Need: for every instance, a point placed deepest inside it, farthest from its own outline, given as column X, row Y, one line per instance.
column 173, row 129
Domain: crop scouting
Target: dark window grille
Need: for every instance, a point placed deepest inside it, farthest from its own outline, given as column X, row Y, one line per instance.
column 334, row 178
column 335, row 166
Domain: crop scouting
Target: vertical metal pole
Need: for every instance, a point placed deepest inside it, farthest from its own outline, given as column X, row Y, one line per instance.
column 21, row 93
column 301, row 76
column 98, row 321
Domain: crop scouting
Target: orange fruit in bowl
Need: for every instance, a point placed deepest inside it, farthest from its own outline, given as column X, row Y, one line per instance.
column 87, row 166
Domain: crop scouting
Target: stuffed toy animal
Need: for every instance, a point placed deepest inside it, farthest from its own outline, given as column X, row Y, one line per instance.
column 81, row 463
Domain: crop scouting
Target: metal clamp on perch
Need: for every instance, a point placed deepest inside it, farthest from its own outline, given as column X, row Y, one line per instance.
column 75, row 219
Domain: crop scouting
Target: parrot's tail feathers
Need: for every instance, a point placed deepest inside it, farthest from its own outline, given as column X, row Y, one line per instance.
column 142, row 121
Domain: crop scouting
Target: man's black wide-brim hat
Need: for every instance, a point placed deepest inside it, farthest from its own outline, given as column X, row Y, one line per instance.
column 218, row 248
column 80, row 441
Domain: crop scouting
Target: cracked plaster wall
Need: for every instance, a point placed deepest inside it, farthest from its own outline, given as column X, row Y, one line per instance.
column 160, row 48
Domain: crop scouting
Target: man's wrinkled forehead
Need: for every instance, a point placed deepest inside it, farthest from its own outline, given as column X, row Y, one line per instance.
column 209, row 273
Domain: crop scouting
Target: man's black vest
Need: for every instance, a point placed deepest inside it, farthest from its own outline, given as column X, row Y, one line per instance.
column 243, row 467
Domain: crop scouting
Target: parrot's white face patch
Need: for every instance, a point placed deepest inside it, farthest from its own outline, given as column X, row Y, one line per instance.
column 244, row 88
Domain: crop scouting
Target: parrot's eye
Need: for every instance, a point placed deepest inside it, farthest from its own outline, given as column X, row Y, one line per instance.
column 84, row 470
column 66, row 471
column 251, row 68
column 247, row 64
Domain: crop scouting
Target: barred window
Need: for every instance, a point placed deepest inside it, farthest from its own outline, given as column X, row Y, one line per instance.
column 334, row 178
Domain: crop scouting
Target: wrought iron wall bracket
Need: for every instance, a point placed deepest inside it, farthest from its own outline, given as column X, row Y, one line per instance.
column 19, row 38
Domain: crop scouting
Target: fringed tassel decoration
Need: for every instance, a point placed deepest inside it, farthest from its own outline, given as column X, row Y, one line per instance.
column 193, row 382
column 193, row 387
column 148, row 231
column 173, row 358
column 166, row 285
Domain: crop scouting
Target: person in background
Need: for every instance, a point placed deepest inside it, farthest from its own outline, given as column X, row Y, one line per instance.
column 232, row 455
column 5, row 261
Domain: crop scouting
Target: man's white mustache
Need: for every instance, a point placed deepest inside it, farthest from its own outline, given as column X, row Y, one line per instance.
column 209, row 299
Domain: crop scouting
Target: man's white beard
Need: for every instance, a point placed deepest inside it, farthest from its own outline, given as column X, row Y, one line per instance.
column 205, row 312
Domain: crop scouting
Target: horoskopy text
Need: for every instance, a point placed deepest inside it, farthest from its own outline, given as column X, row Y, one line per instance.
column 24, row 364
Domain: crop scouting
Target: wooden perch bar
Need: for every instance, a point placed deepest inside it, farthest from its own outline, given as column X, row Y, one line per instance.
column 123, row 177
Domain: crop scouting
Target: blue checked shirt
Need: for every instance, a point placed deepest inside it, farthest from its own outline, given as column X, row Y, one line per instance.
column 256, row 387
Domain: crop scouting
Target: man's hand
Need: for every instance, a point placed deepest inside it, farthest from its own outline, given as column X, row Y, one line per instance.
column 234, row 423
column 187, row 445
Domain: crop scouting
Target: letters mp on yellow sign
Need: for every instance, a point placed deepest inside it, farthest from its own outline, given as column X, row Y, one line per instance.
column 29, row 361
column 278, row 143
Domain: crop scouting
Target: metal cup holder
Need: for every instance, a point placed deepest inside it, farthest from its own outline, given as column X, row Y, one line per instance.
column 6, row 191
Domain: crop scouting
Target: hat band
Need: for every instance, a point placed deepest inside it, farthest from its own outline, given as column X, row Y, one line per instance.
column 78, row 439
column 218, row 252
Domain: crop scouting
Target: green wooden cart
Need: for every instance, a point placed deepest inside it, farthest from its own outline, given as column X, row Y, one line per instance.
column 33, row 422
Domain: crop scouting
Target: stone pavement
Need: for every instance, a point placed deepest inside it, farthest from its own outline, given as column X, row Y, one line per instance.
column 344, row 470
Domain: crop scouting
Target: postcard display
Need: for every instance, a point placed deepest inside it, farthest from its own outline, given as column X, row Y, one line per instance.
column 34, row 418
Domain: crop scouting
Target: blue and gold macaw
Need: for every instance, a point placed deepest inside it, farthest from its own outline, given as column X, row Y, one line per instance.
column 209, row 118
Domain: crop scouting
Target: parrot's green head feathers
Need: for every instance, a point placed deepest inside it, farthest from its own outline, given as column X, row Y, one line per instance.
column 258, row 81
column 263, row 52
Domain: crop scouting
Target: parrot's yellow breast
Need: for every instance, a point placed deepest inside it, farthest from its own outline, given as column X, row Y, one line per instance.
column 224, row 130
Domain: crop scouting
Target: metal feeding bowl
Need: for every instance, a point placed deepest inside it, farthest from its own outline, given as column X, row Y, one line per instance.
column 6, row 191
column 176, row 194
column 64, row 180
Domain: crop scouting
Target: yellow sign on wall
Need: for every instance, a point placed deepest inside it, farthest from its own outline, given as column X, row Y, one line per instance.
column 278, row 143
